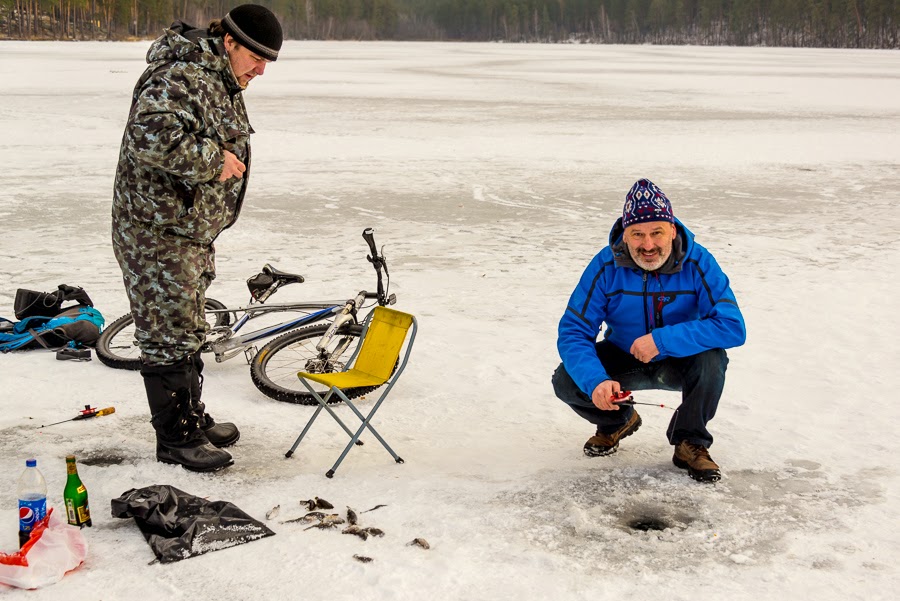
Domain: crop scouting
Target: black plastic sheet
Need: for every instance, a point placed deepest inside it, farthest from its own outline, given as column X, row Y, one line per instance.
column 178, row 525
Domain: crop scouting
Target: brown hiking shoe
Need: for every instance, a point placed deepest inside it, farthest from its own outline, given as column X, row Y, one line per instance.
column 696, row 460
column 600, row 445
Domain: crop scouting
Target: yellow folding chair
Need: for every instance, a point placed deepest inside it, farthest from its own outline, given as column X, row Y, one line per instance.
column 382, row 340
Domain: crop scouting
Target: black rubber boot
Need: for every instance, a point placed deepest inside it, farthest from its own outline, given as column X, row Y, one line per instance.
column 222, row 434
column 179, row 438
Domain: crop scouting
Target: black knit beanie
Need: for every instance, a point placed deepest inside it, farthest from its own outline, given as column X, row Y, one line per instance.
column 255, row 27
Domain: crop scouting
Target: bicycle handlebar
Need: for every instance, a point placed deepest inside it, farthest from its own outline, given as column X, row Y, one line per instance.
column 369, row 236
column 377, row 262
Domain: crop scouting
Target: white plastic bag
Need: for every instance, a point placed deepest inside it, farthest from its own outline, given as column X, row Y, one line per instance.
column 59, row 548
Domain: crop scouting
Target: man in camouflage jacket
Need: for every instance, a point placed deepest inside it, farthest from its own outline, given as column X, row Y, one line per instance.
column 180, row 181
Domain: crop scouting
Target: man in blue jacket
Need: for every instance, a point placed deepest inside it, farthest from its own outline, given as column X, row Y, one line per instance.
column 669, row 313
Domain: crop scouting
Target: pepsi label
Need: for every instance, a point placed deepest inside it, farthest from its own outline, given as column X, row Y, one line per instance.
column 31, row 512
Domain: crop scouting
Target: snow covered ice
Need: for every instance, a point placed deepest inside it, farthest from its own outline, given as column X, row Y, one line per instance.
column 492, row 174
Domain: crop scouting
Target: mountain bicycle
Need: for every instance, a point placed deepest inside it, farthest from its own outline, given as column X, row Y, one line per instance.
column 320, row 348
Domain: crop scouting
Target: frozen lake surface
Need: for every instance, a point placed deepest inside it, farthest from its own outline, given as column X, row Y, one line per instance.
column 492, row 174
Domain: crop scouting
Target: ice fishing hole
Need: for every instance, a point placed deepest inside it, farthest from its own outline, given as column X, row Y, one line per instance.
column 645, row 524
column 102, row 459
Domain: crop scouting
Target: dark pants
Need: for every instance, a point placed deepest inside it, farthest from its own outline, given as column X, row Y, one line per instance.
column 700, row 378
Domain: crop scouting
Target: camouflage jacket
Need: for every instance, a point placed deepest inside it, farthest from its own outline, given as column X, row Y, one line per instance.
column 186, row 108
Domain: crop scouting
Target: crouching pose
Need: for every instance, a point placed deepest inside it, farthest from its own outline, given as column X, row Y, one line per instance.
column 180, row 181
column 669, row 313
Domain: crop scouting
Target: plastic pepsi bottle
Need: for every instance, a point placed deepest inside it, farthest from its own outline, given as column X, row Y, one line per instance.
column 32, row 490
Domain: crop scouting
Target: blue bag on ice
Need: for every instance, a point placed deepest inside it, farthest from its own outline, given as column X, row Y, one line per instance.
column 75, row 327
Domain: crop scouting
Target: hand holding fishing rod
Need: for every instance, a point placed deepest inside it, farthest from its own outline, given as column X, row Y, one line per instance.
column 623, row 397
column 86, row 413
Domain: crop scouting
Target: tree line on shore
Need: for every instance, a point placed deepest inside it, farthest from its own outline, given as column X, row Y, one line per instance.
column 810, row 23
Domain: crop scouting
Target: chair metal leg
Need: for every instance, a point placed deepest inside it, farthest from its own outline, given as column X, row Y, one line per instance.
column 365, row 424
column 354, row 436
column 305, row 430
column 341, row 422
column 323, row 404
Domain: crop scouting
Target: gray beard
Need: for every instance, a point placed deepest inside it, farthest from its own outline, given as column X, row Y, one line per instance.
column 660, row 261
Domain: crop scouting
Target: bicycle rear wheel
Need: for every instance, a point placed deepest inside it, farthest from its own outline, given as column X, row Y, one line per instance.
column 118, row 349
column 274, row 368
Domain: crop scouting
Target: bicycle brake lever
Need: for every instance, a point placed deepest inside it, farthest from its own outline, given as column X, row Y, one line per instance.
column 384, row 263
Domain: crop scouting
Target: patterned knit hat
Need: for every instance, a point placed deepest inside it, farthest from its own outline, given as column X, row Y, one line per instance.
column 256, row 28
column 646, row 202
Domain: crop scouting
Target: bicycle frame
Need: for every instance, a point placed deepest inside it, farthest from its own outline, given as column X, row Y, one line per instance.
column 230, row 345
column 321, row 332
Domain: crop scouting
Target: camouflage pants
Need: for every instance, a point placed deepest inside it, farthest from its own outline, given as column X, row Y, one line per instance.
column 166, row 278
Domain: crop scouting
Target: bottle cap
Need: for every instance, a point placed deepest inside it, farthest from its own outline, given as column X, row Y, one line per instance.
column 70, row 458
column 31, row 463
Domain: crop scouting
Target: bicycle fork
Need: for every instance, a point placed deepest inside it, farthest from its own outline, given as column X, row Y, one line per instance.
column 327, row 360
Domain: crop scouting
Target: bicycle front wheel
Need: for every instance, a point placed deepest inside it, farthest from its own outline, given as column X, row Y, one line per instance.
column 274, row 368
column 118, row 349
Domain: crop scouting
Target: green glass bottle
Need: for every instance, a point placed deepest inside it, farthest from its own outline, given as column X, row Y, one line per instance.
column 75, row 496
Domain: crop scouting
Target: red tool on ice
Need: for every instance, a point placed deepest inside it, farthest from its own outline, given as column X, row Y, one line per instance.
column 86, row 413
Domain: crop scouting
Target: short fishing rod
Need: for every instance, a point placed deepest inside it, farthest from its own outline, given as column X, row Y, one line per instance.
column 87, row 413
column 624, row 397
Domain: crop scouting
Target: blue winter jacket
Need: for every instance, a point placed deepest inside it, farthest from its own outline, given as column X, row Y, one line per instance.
column 687, row 304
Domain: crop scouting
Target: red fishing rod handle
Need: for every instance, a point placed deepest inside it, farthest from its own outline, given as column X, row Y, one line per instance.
column 88, row 411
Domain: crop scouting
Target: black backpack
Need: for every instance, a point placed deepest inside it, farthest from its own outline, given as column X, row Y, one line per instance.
column 44, row 322
column 30, row 303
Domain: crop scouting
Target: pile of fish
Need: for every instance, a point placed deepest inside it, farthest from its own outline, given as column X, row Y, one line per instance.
column 324, row 521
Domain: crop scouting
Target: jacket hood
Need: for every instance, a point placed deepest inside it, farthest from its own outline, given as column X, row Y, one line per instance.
column 182, row 42
column 681, row 247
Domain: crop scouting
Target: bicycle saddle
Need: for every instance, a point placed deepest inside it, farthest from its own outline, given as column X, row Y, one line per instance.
column 285, row 277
